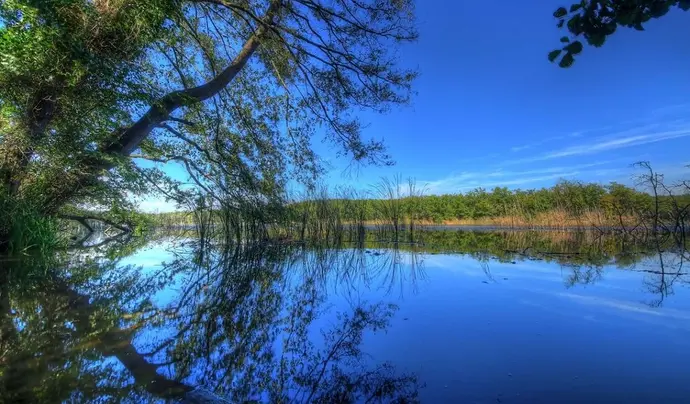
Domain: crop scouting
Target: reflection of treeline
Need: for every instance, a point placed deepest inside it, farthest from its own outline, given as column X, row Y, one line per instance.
column 564, row 247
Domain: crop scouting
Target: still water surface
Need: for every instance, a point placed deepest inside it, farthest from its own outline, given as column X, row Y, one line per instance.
column 466, row 317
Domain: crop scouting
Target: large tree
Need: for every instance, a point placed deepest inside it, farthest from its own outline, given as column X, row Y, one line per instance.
column 233, row 90
column 595, row 20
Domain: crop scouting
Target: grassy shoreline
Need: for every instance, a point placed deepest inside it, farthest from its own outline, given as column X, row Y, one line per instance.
column 548, row 220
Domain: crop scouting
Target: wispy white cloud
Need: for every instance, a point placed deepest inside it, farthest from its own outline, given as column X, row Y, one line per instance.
column 613, row 144
column 571, row 135
column 523, row 147
column 500, row 172
column 532, row 145
column 617, row 141
column 634, row 307
column 499, row 177
column 518, row 181
column 662, row 125
column 450, row 183
column 617, row 170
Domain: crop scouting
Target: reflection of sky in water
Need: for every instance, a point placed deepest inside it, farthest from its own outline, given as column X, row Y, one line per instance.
column 152, row 259
column 519, row 336
column 525, row 333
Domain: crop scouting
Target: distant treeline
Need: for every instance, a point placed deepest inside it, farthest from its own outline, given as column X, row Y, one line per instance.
column 395, row 207
column 567, row 202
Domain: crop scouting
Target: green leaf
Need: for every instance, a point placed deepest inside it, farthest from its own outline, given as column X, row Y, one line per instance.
column 554, row 54
column 566, row 61
column 560, row 23
column 560, row 12
column 610, row 28
column 574, row 25
column 624, row 20
column 638, row 26
column 575, row 7
column 596, row 39
column 565, row 39
column 660, row 11
column 574, row 48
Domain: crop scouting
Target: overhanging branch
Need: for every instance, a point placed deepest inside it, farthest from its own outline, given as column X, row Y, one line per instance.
column 83, row 220
column 130, row 138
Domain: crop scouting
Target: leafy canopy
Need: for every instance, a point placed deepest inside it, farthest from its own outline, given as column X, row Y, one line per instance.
column 234, row 91
column 595, row 20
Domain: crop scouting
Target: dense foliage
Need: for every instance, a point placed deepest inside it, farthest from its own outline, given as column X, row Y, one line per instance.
column 574, row 199
column 94, row 93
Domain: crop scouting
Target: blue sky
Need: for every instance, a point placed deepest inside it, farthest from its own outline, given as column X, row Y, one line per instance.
column 491, row 110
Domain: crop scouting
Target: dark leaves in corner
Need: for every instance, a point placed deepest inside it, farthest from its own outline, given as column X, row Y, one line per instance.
column 554, row 54
column 567, row 60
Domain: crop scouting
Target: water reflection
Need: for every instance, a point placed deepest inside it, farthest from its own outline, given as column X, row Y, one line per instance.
column 227, row 320
column 265, row 323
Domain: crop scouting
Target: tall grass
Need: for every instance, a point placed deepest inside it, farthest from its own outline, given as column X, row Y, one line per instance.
column 391, row 208
column 316, row 215
column 23, row 229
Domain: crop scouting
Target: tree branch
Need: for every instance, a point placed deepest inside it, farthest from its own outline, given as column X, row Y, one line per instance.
column 130, row 138
column 83, row 220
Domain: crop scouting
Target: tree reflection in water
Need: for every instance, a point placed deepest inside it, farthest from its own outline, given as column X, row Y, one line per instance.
column 582, row 256
column 662, row 271
column 241, row 322
column 233, row 324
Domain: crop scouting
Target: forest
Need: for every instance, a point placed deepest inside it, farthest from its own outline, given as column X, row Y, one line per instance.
column 578, row 202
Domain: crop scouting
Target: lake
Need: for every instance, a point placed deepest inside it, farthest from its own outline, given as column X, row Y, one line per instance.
column 482, row 316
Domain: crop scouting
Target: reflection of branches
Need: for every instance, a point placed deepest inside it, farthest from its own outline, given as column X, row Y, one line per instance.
column 84, row 221
column 218, row 332
column 236, row 317
column 484, row 264
column 661, row 282
column 666, row 224
column 55, row 329
column 321, row 380
column 346, row 268
column 583, row 274
column 83, row 244
column 238, row 320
